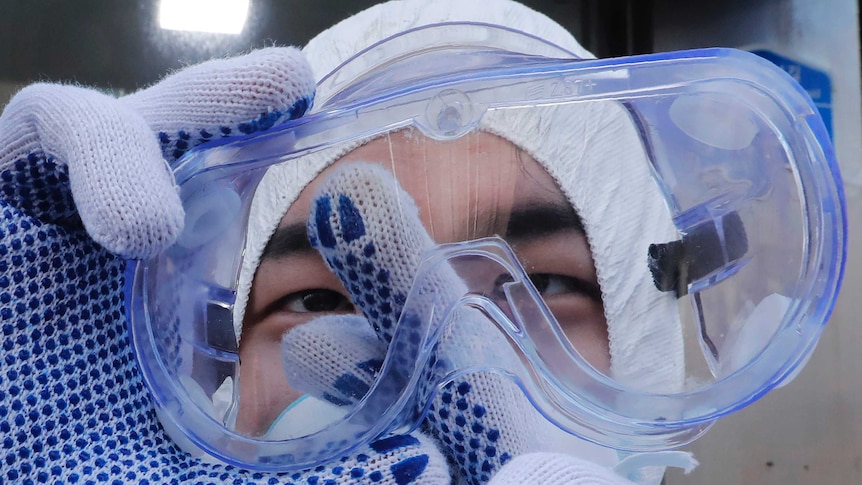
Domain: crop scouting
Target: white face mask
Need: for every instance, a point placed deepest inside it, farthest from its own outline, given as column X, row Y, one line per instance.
column 303, row 417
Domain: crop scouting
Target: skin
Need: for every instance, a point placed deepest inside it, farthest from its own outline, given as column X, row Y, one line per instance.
column 465, row 189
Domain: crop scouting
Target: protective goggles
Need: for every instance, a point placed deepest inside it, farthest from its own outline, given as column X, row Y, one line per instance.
column 638, row 246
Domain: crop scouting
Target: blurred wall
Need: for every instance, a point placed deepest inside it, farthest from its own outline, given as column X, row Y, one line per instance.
column 118, row 45
column 809, row 432
column 7, row 89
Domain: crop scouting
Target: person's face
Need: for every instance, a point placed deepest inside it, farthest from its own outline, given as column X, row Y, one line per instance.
column 476, row 186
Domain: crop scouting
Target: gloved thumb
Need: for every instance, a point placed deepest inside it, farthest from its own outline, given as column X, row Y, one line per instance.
column 334, row 358
column 120, row 184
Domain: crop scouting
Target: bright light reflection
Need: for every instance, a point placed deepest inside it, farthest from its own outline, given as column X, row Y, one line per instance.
column 215, row 16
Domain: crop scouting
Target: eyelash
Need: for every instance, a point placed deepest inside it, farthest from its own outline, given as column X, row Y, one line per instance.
column 544, row 281
column 330, row 301
column 327, row 301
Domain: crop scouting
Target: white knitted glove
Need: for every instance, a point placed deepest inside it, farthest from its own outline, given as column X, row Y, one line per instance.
column 64, row 143
column 555, row 468
column 73, row 406
column 368, row 230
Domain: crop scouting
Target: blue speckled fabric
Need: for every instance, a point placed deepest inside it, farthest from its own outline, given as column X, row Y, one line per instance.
column 368, row 230
column 73, row 407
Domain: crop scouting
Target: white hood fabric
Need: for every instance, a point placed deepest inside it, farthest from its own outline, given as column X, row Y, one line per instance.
column 594, row 152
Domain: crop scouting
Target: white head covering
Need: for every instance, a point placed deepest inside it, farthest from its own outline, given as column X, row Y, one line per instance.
column 594, row 152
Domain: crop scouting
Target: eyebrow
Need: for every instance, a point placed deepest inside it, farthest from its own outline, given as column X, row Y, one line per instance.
column 542, row 219
column 287, row 241
column 524, row 223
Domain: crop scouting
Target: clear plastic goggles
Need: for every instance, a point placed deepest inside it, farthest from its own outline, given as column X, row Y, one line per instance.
column 641, row 245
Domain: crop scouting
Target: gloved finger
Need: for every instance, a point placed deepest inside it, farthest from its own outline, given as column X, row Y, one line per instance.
column 122, row 191
column 482, row 420
column 368, row 230
column 555, row 468
column 334, row 358
column 225, row 97
column 64, row 148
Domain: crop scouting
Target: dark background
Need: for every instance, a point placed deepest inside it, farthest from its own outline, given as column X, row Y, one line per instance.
column 118, row 45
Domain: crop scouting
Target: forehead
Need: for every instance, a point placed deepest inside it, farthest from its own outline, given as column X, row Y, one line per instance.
column 451, row 181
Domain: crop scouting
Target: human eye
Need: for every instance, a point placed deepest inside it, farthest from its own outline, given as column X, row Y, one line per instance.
column 316, row 300
column 550, row 285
